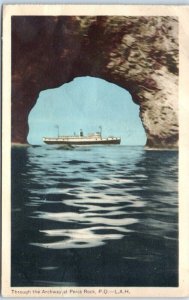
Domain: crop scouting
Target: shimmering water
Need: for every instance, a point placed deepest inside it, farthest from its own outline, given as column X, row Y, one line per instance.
column 99, row 216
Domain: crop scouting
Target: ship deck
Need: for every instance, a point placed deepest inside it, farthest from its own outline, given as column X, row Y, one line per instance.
column 82, row 141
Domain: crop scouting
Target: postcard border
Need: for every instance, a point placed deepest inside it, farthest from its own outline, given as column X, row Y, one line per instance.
column 129, row 10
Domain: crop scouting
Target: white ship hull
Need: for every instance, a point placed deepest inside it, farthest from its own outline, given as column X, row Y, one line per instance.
column 82, row 141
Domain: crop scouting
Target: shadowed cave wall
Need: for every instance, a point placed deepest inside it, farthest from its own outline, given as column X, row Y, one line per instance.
column 139, row 54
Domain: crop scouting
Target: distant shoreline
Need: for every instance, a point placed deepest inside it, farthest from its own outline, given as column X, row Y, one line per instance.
column 20, row 145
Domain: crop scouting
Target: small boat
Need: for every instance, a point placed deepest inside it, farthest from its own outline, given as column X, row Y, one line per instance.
column 90, row 139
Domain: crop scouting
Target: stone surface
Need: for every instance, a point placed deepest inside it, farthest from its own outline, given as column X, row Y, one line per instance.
column 139, row 54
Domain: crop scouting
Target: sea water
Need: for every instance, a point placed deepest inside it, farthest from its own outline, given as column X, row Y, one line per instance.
column 94, row 216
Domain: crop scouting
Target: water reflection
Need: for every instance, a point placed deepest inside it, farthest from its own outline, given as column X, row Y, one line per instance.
column 120, row 200
column 117, row 189
column 96, row 200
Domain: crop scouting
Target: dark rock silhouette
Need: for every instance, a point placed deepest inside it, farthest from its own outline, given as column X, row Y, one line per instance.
column 139, row 54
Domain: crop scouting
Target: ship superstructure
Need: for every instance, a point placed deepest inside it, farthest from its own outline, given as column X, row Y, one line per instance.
column 81, row 139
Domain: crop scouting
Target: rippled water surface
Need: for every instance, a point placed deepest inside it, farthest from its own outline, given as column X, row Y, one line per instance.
column 99, row 216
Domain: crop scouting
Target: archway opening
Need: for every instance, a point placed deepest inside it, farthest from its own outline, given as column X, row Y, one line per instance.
column 86, row 103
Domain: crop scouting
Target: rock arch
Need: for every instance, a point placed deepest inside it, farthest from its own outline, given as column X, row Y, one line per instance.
column 139, row 54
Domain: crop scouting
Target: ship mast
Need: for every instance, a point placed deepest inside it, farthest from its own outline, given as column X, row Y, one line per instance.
column 100, row 127
column 57, row 129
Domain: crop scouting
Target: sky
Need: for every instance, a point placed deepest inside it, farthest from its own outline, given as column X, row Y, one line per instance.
column 86, row 103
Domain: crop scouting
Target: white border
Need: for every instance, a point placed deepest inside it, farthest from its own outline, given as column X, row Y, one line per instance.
column 182, row 12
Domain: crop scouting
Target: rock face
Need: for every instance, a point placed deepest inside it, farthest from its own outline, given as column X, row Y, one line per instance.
column 139, row 54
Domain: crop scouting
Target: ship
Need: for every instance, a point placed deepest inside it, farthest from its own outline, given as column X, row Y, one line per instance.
column 80, row 139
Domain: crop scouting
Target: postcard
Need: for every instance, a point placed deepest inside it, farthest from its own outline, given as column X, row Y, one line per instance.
column 95, row 151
